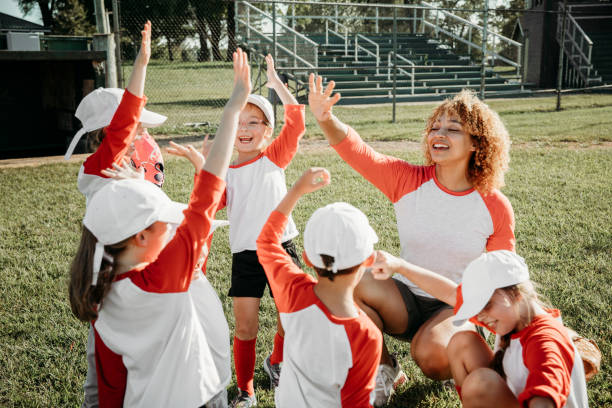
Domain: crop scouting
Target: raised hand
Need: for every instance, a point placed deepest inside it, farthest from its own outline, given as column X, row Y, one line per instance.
column 320, row 101
column 144, row 54
column 242, row 80
column 311, row 180
column 273, row 79
column 190, row 153
column 124, row 171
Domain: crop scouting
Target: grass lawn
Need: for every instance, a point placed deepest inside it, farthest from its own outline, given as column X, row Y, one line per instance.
column 559, row 185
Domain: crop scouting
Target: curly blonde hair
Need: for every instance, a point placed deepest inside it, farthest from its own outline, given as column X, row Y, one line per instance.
column 490, row 159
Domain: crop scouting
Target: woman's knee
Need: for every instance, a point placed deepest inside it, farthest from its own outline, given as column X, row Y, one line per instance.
column 246, row 329
column 431, row 359
column 461, row 343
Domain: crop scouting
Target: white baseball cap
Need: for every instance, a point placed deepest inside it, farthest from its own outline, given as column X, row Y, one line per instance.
column 97, row 109
column 490, row 271
column 265, row 106
column 339, row 230
column 123, row 208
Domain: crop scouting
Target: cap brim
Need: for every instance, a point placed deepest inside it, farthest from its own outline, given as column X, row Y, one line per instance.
column 218, row 223
column 470, row 308
column 173, row 213
column 151, row 119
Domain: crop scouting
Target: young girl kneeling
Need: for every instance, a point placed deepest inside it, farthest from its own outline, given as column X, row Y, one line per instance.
column 332, row 348
column 535, row 364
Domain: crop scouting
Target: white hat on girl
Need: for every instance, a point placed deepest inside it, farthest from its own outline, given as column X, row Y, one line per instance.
column 490, row 271
column 97, row 109
column 339, row 230
column 123, row 208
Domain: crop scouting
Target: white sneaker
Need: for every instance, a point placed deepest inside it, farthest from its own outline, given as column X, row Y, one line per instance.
column 387, row 379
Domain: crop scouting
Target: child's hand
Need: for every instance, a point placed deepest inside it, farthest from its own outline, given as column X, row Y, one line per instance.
column 190, row 153
column 384, row 265
column 273, row 80
column 242, row 80
column 312, row 180
column 320, row 102
column 124, row 171
column 144, row 54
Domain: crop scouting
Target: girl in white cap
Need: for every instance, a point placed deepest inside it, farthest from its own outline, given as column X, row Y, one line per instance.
column 255, row 185
column 151, row 344
column 535, row 362
column 116, row 125
column 332, row 348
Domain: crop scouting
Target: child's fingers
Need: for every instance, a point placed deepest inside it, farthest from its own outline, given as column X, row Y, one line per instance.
column 334, row 99
column 311, row 85
column 319, row 84
column 329, row 89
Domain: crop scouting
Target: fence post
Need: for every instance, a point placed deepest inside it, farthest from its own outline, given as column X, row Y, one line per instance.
column 336, row 12
column 484, row 50
column 274, row 50
column 117, row 29
column 561, row 48
column 376, row 20
column 104, row 41
column 394, row 59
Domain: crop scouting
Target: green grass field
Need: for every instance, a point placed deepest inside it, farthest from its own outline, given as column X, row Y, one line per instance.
column 559, row 185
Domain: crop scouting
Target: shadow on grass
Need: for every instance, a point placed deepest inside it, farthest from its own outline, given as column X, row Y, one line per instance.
column 417, row 392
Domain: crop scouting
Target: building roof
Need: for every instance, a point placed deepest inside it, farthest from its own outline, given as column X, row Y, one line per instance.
column 11, row 23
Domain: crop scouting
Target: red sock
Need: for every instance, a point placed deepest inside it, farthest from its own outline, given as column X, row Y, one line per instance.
column 277, row 352
column 244, row 360
column 458, row 388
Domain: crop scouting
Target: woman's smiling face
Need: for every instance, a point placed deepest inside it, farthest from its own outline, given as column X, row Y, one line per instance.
column 448, row 141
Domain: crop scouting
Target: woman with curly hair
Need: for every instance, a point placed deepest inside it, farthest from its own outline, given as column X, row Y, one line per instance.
column 448, row 211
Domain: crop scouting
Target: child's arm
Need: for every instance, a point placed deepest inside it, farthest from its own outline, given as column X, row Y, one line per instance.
column 385, row 265
column 286, row 279
column 275, row 83
column 189, row 152
column 221, row 150
column 123, row 126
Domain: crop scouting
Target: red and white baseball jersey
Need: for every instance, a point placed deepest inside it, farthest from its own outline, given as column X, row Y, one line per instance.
column 328, row 361
column 152, row 342
column 541, row 360
column 439, row 229
column 119, row 134
column 255, row 188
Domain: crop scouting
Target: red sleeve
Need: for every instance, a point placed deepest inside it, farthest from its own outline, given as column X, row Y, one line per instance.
column 173, row 269
column 118, row 135
column 392, row 176
column 549, row 358
column 112, row 375
column 502, row 215
column 285, row 146
column 366, row 347
column 286, row 279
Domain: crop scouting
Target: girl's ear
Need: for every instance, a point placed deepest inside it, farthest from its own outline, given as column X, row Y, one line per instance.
column 306, row 260
column 140, row 239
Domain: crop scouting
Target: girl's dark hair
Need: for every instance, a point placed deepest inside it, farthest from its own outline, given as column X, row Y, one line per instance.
column 86, row 299
column 94, row 139
column 528, row 292
column 328, row 261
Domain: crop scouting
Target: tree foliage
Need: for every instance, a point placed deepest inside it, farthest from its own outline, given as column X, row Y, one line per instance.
column 67, row 17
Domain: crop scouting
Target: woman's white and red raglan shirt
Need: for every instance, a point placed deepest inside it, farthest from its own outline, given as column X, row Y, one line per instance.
column 119, row 134
column 541, row 360
column 328, row 361
column 254, row 188
column 151, row 342
column 440, row 230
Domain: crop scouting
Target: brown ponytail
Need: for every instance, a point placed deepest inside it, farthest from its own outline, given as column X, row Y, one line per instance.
column 328, row 261
column 85, row 299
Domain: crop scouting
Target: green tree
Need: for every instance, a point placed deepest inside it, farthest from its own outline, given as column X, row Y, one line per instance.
column 63, row 16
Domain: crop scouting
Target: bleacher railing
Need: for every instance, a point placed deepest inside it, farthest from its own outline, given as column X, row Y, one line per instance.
column 431, row 18
column 391, row 63
column 289, row 44
column 577, row 47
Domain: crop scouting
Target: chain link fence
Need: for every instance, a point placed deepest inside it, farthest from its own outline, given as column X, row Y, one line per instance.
column 190, row 76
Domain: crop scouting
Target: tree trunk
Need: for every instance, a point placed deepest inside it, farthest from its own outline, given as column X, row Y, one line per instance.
column 203, row 53
column 231, row 30
column 46, row 12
